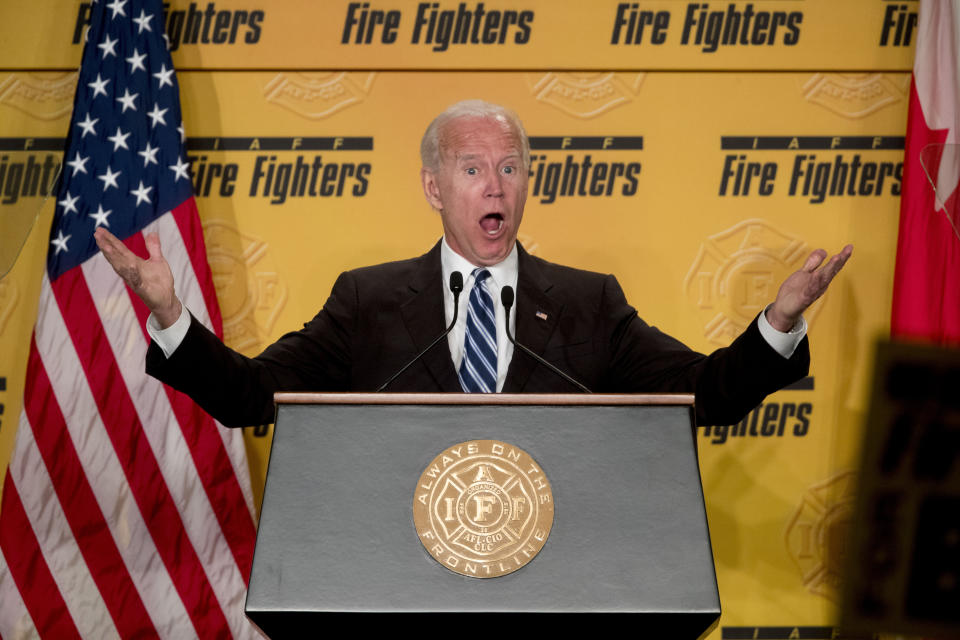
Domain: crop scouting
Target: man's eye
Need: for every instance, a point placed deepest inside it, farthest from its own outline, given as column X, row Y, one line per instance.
column 472, row 171
column 508, row 169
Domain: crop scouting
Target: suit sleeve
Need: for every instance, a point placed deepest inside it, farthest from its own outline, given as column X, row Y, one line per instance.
column 237, row 390
column 728, row 383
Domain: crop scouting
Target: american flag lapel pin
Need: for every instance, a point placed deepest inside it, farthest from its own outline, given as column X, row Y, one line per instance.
column 541, row 315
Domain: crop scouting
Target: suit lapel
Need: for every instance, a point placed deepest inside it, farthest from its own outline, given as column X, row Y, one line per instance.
column 423, row 316
column 537, row 317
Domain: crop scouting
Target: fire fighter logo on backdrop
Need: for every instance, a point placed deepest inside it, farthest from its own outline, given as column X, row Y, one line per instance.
column 817, row 534
column 249, row 289
column 736, row 274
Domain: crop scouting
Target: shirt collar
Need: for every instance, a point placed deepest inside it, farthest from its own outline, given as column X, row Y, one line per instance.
column 503, row 273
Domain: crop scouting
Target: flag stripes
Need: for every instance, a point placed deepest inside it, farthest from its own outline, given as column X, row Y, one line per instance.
column 66, row 477
column 78, row 582
column 164, row 433
column 191, row 241
column 137, row 459
column 206, row 586
column 182, row 239
column 99, row 460
column 134, row 454
column 30, row 571
column 15, row 621
column 216, row 468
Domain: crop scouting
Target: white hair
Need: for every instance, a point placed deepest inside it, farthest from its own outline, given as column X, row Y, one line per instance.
column 430, row 145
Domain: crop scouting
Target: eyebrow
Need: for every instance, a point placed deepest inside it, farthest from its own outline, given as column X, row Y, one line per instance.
column 472, row 156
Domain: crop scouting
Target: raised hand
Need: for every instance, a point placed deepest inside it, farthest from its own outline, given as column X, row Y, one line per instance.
column 151, row 279
column 803, row 287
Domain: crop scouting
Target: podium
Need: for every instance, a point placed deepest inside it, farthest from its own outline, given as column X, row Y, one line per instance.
column 629, row 533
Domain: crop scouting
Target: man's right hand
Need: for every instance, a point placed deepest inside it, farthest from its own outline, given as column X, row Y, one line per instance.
column 151, row 279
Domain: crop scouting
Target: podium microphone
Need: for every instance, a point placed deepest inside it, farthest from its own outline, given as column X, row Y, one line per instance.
column 456, row 286
column 506, row 297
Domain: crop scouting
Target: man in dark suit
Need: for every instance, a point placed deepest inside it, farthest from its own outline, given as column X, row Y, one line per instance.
column 475, row 161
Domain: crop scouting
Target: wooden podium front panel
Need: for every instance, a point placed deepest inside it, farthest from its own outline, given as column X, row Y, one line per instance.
column 337, row 532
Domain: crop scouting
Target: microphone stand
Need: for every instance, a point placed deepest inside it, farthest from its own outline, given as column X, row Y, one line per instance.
column 506, row 297
column 456, row 286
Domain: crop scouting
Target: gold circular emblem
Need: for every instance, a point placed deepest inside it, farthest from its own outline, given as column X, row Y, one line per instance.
column 483, row 508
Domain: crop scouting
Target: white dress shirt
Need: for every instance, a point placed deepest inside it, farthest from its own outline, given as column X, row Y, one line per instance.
column 501, row 275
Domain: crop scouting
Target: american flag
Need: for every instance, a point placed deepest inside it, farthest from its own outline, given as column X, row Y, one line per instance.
column 126, row 510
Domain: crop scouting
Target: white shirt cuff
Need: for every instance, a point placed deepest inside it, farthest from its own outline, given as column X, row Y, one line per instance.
column 783, row 343
column 170, row 338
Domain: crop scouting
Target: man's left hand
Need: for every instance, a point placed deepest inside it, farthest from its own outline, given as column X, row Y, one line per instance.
column 803, row 287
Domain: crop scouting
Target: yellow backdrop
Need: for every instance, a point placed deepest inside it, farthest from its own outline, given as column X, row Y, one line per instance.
column 700, row 178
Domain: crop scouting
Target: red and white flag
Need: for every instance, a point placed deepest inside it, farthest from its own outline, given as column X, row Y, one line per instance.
column 126, row 510
column 926, row 288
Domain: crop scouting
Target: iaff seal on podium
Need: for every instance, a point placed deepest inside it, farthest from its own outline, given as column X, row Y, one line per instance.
column 483, row 508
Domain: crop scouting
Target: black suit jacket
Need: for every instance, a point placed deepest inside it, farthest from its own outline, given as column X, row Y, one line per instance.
column 377, row 318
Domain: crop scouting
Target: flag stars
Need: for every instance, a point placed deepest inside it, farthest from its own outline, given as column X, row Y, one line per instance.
column 60, row 242
column 164, row 76
column 180, row 170
column 78, row 164
column 109, row 179
column 100, row 216
column 183, row 133
column 157, row 115
column 69, row 203
column 149, row 154
column 136, row 61
column 143, row 22
column 142, row 194
column 99, row 86
column 88, row 126
column 108, row 47
column 127, row 100
column 119, row 140
column 117, row 7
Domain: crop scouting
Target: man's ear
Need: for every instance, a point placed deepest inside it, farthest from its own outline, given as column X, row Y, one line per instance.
column 431, row 188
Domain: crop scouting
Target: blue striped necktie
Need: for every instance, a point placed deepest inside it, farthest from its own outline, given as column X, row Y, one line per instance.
column 478, row 370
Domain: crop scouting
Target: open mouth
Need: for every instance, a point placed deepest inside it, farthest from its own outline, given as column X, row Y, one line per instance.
column 492, row 223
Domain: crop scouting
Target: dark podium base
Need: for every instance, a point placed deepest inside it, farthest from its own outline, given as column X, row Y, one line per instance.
column 656, row 626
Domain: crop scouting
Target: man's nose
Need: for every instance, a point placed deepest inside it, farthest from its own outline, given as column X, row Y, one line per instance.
column 494, row 186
